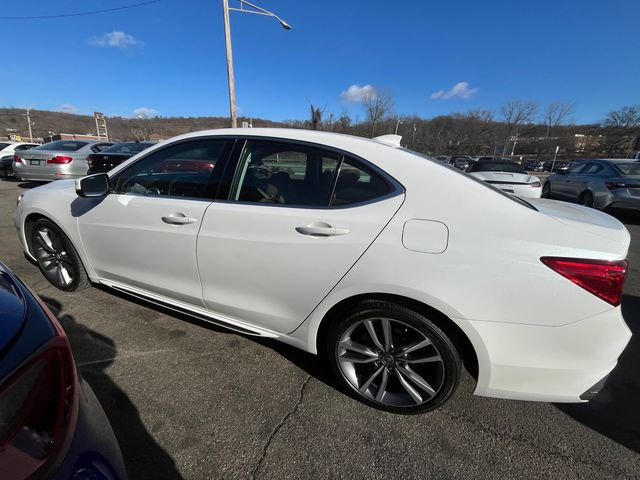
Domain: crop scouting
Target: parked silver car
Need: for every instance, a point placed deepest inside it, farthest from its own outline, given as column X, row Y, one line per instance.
column 613, row 183
column 56, row 160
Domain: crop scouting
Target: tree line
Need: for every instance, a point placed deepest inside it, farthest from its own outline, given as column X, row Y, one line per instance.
column 518, row 128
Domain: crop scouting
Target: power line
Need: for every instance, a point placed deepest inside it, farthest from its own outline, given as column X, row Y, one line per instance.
column 79, row 14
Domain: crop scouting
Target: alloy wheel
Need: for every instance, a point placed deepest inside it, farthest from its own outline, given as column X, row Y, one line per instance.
column 390, row 362
column 52, row 256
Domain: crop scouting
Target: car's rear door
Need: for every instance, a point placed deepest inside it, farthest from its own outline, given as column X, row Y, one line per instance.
column 564, row 185
column 295, row 219
column 144, row 233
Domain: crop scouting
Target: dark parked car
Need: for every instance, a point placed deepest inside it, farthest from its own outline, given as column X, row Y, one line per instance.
column 533, row 165
column 6, row 168
column 51, row 424
column 598, row 183
column 113, row 156
column 558, row 166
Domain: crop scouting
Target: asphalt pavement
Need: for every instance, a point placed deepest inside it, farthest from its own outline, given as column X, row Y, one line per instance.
column 187, row 400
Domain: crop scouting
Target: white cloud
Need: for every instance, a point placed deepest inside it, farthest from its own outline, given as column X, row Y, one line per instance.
column 115, row 39
column 459, row 90
column 355, row 93
column 68, row 108
column 145, row 112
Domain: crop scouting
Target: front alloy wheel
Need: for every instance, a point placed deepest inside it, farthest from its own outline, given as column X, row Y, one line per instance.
column 56, row 257
column 395, row 359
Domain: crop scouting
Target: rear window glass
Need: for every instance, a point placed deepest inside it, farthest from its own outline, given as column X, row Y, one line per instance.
column 127, row 148
column 629, row 168
column 474, row 179
column 62, row 146
column 496, row 167
column 4, row 145
column 357, row 183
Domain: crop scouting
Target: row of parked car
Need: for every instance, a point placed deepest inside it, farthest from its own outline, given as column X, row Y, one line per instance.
column 63, row 158
column 463, row 162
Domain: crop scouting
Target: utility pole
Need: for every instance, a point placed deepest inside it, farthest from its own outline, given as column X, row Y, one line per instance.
column 256, row 10
column 29, row 122
column 232, row 88
column 515, row 140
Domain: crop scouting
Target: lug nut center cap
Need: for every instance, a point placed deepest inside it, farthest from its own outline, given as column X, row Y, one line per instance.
column 387, row 360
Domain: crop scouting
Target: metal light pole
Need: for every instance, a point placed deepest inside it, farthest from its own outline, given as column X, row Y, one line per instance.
column 398, row 123
column 227, row 38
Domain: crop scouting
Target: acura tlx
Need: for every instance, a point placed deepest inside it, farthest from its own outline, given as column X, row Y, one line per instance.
column 395, row 268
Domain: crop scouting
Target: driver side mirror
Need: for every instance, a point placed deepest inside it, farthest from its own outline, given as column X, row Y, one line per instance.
column 93, row 186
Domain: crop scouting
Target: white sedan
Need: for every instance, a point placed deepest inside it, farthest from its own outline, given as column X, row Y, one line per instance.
column 508, row 176
column 395, row 268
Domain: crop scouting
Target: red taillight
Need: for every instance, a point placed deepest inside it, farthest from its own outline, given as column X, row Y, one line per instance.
column 616, row 185
column 61, row 159
column 603, row 278
column 17, row 158
column 535, row 184
column 38, row 410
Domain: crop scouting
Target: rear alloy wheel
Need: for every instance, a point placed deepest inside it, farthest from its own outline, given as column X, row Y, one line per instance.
column 586, row 199
column 57, row 259
column 393, row 358
column 546, row 190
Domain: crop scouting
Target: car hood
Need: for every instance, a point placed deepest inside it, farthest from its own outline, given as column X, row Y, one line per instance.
column 12, row 308
column 504, row 177
column 585, row 219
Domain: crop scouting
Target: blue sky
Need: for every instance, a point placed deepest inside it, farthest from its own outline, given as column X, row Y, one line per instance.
column 169, row 57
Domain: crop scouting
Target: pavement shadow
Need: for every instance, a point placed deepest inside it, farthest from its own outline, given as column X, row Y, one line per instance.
column 94, row 353
column 615, row 411
column 313, row 365
column 625, row 216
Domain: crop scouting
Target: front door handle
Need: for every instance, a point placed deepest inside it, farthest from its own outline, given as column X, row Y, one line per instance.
column 321, row 229
column 178, row 219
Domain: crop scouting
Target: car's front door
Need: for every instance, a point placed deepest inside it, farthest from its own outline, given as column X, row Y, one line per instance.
column 295, row 220
column 143, row 234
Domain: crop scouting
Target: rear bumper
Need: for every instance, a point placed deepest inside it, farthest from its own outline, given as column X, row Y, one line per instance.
column 625, row 202
column 47, row 173
column 550, row 364
column 524, row 191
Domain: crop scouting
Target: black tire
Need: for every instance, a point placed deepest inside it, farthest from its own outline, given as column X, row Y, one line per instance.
column 437, row 364
column 56, row 257
column 546, row 190
column 586, row 199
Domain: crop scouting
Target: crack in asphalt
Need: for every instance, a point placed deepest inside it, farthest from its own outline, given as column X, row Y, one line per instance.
column 290, row 413
column 552, row 451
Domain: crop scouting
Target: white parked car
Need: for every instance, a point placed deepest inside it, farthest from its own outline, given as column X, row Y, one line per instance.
column 392, row 266
column 508, row 176
column 9, row 148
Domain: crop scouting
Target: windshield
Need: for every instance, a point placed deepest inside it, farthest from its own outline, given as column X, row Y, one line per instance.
column 62, row 146
column 474, row 179
column 127, row 148
column 631, row 168
column 496, row 167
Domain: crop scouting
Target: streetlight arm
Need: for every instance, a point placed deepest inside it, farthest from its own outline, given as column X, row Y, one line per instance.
column 261, row 11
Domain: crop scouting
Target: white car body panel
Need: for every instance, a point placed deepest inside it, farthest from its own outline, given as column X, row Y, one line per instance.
column 244, row 253
column 514, row 183
column 481, row 280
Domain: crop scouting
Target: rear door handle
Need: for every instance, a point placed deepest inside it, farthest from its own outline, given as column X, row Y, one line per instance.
column 178, row 219
column 321, row 229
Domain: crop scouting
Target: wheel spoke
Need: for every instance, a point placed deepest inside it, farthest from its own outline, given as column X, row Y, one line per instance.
column 45, row 241
column 416, row 346
column 383, row 385
column 372, row 333
column 428, row 359
column 358, row 347
column 60, row 275
column 50, row 266
column 357, row 358
column 370, row 380
column 417, row 379
column 410, row 390
column 386, row 332
column 66, row 261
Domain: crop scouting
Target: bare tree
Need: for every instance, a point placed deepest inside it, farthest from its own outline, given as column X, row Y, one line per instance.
column 377, row 104
column 316, row 116
column 626, row 117
column 555, row 114
column 517, row 113
column 621, row 128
